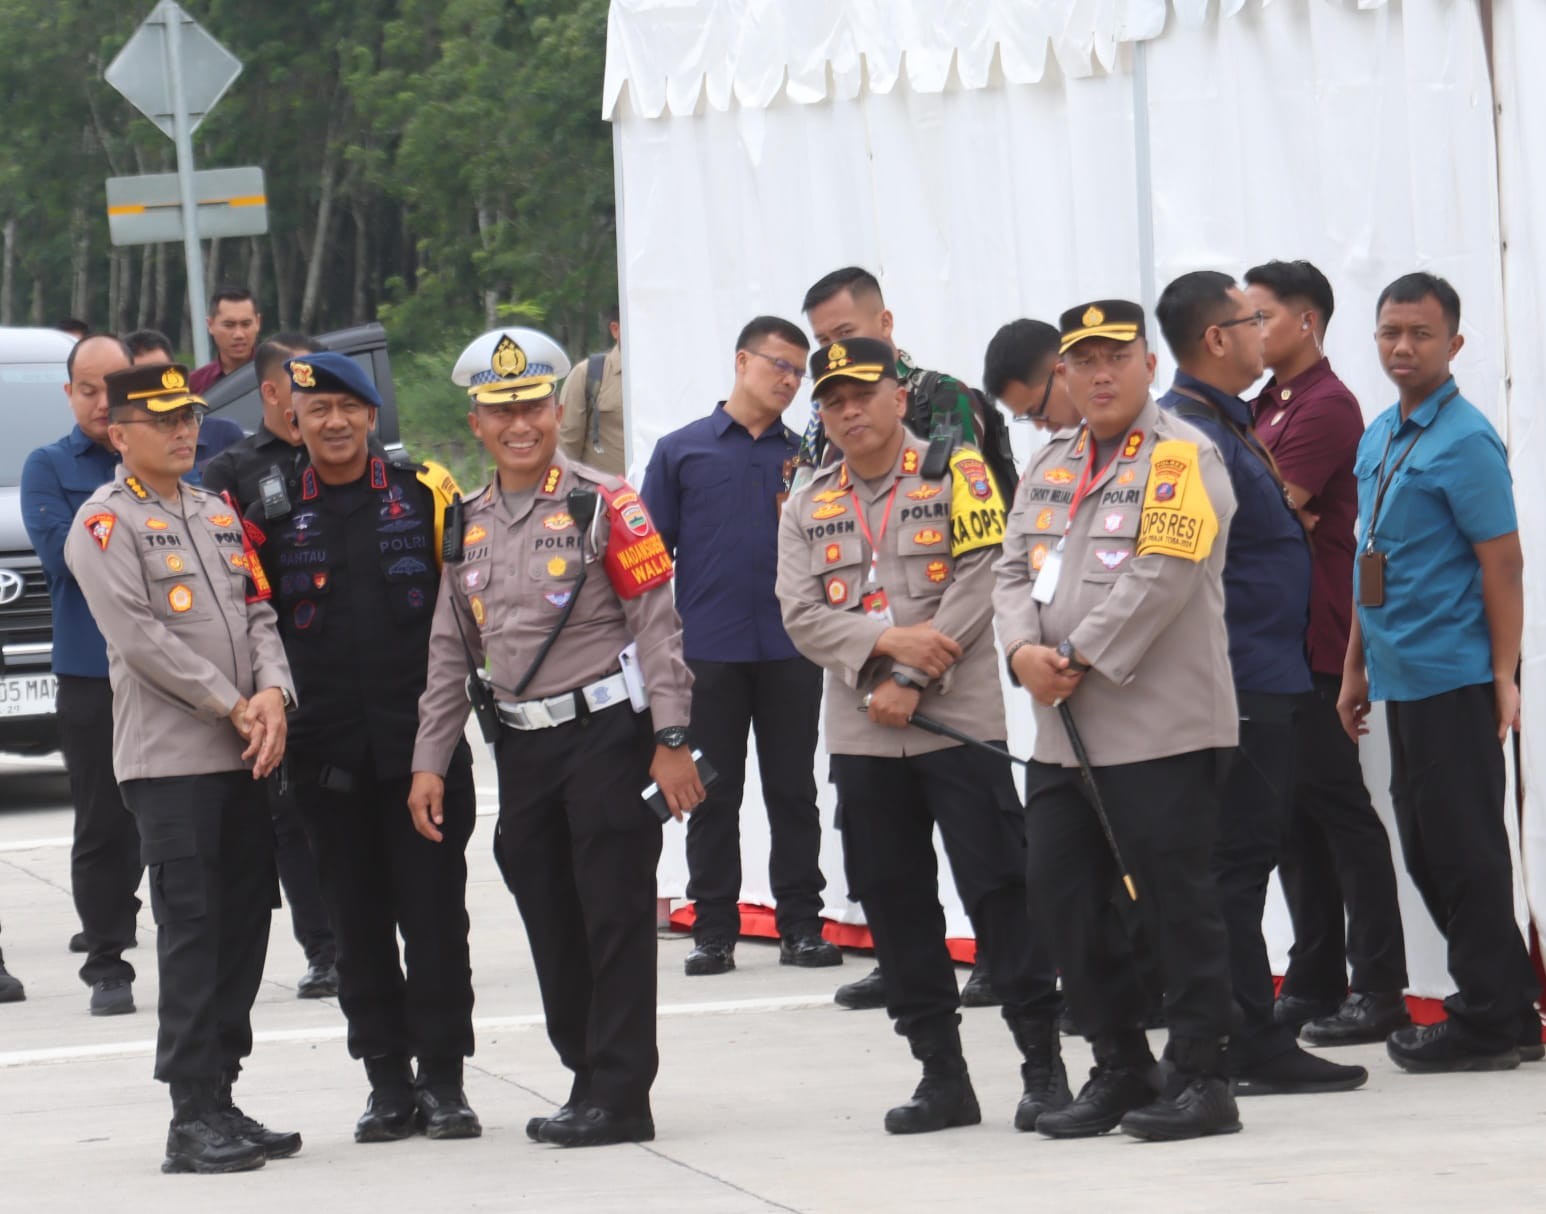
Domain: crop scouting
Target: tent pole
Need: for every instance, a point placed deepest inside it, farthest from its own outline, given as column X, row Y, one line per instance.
column 1144, row 177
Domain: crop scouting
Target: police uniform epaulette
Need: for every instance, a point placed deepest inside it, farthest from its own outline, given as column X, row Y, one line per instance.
column 596, row 476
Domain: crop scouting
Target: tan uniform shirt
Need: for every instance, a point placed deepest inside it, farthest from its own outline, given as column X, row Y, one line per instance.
column 516, row 574
column 579, row 437
column 935, row 563
column 1139, row 590
column 167, row 582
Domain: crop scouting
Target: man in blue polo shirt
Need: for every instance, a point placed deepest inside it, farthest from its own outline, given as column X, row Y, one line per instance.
column 1216, row 337
column 105, row 864
column 1438, row 586
column 715, row 489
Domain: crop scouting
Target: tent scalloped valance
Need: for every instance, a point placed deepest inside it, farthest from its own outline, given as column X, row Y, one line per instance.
column 667, row 56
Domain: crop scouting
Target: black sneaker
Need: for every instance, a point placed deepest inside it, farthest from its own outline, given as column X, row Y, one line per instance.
column 112, row 997
column 1297, row 1072
column 206, row 1144
column 320, row 981
column 390, row 1115
column 1203, row 1107
column 1108, row 1096
column 1443, row 1047
column 868, row 992
column 810, row 951
column 591, row 1126
column 1363, row 1018
column 1295, row 1010
column 711, row 956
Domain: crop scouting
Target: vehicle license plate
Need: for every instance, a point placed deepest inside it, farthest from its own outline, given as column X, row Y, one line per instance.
column 27, row 695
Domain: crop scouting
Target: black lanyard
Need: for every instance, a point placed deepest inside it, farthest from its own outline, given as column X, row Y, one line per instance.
column 1382, row 484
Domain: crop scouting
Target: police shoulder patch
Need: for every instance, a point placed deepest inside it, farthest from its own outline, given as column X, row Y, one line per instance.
column 1178, row 517
column 636, row 558
column 977, row 513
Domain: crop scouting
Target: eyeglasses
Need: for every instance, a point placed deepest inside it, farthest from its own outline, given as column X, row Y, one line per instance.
column 1257, row 318
column 1040, row 411
column 782, row 365
column 169, row 423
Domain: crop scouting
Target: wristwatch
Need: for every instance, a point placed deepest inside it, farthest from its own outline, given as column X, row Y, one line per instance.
column 673, row 738
column 1066, row 650
column 901, row 680
column 289, row 700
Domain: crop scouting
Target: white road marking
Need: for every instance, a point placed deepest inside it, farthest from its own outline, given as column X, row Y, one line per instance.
column 336, row 1032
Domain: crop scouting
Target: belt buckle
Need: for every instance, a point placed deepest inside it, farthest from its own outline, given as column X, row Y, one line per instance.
column 537, row 715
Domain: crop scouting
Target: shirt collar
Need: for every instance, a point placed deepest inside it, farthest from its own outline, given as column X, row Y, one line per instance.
column 721, row 421
column 1278, row 395
column 1425, row 413
column 1231, row 406
column 78, row 443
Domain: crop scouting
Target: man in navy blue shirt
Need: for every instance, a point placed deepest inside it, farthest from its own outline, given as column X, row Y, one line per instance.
column 1216, row 338
column 715, row 489
column 105, row 864
column 1439, row 591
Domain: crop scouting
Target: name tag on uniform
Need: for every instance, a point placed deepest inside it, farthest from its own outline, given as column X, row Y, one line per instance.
column 876, row 605
column 1047, row 579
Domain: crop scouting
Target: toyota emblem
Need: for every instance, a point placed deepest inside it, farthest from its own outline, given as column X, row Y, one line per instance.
column 11, row 586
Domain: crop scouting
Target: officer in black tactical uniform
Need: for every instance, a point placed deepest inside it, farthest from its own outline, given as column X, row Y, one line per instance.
column 353, row 558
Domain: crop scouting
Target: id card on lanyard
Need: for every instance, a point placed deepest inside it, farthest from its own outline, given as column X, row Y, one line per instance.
column 1052, row 568
column 874, row 602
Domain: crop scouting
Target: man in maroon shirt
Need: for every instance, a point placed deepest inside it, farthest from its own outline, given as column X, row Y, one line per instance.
column 1336, row 851
column 233, row 326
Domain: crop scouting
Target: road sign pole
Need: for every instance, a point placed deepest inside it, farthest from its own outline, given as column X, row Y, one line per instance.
column 172, row 15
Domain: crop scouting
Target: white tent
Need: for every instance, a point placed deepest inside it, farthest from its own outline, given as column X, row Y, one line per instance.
column 990, row 159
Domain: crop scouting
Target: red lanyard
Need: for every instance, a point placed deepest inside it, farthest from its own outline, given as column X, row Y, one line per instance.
column 1087, row 481
column 864, row 525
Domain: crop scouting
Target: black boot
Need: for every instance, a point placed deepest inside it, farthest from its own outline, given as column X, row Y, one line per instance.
column 1120, row 1081
column 276, row 1144
column 200, row 1140
column 1197, row 1100
column 1042, row 1072
column 862, row 994
column 390, row 1113
column 944, row 1096
column 443, row 1108
column 565, row 1112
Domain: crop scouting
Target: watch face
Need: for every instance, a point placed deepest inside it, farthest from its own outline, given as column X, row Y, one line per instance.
column 674, row 737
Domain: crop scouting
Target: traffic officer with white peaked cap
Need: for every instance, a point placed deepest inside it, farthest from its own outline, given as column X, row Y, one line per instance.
column 556, row 595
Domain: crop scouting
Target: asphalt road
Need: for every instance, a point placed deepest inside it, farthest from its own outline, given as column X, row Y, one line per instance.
column 769, row 1098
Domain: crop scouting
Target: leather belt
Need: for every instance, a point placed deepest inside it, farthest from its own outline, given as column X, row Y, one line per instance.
column 567, row 707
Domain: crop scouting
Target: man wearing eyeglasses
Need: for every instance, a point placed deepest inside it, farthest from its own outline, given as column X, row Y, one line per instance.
column 200, row 692
column 715, row 490
column 1216, row 338
column 1020, row 372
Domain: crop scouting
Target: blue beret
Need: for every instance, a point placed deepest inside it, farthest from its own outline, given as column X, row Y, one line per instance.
column 331, row 372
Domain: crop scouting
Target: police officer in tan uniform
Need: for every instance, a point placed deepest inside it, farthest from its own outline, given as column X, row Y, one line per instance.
column 885, row 579
column 559, row 572
column 200, row 690
column 1110, row 596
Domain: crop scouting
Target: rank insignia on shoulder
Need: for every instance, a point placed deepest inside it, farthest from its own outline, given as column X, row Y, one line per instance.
column 100, row 528
column 132, row 484
column 924, row 492
column 1134, row 441
column 1084, row 438
column 551, row 478
column 909, row 462
column 831, row 510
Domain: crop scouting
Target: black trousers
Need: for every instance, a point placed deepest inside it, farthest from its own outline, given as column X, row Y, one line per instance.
column 298, row 875
column 380, row 877
column 578, row 849
column 890, row 809
column 781, row 703
column 1448, row 785
column 1253, row 817
column 209, row 846
column 1336, row 858
column 105, row 868
column 1164, row 814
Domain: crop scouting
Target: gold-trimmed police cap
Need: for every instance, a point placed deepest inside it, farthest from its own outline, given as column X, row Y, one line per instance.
column 1113, row 319
column 865, row 360
column 158, row 387
column 506, row 365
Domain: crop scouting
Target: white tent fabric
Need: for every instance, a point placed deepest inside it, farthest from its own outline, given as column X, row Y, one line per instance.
column 979, row 156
